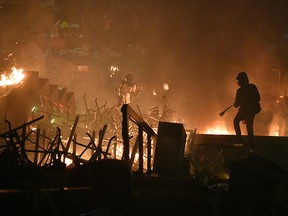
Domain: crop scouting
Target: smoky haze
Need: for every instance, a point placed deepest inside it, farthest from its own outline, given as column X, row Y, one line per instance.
column 197, row 47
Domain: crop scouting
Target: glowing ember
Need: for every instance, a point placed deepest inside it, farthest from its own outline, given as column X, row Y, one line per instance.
column 13, row 78
column 68, row 161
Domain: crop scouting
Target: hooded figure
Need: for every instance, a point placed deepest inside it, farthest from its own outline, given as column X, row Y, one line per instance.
column 247, row 101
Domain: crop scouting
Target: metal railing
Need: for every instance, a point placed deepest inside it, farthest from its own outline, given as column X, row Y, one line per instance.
column 128, row 115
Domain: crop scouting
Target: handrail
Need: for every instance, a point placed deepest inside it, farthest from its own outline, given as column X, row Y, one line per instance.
column 129, row 114
column 20, row 127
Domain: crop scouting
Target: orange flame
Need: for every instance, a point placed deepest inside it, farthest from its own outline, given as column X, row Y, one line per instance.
column 216, row 130
column 13, row 78
column 217, row 127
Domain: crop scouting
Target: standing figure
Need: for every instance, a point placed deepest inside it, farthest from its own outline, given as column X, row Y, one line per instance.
column 247, row 101
column 127, row 90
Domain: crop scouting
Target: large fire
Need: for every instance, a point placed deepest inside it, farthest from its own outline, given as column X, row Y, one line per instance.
column 217, row 130
column 14, row 78
column 217, row 127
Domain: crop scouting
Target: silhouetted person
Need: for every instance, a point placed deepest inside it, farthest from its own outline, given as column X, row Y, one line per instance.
column 247, row 101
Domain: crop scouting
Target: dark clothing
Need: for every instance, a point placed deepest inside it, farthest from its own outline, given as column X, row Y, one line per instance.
column 248, row 101
column 249, row 121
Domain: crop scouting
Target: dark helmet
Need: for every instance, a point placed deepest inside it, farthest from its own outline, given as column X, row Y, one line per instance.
column 129, row 77
column 242, row 78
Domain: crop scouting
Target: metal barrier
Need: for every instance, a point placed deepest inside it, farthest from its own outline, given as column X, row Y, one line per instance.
column 130, row 115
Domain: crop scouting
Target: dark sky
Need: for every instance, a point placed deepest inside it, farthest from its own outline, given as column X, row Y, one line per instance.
column 198, row 47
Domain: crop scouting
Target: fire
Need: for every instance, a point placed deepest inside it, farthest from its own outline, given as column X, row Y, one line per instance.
column 274, row 130
column 217, row 130
column 15, row 77
column 217, row 127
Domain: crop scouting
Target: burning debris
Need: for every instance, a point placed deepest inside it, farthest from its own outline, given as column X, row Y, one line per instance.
column 11, row 80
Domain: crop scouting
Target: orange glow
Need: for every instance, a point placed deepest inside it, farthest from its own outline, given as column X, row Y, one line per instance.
column 216, row 130
column 274, row 130
column 165, row 86
column 219, row 128
column 68, row 161
column 13, row 78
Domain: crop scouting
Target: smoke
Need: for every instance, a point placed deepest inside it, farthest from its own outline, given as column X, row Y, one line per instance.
column 197, row 47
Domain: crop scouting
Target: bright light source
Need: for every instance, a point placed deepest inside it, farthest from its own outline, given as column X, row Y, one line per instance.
column 165, row 86
column 15, row 77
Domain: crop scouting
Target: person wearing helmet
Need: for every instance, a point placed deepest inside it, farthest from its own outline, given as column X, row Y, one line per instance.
column 127, row 90
column 247, row 101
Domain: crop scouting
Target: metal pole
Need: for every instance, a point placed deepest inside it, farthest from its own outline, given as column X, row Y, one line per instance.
column 125, row 134
column 149, row 154
column 72, row 133
column 93, row 140
column 140, row 131
column 37, row 146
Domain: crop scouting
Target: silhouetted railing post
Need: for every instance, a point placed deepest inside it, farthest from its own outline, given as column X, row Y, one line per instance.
column 129, row 114
column 92, row 151
column 74, row 141
column 36, row 155
column 125, row 132
column 140, row 145
column 149, row 144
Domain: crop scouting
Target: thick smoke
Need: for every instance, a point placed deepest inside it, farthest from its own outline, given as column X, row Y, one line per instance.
column 197, row 47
